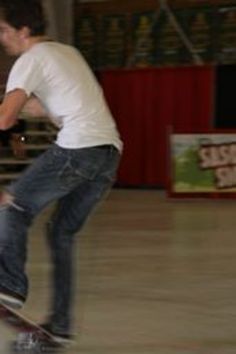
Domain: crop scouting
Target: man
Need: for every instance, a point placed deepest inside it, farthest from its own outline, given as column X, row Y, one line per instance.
column 52, row 78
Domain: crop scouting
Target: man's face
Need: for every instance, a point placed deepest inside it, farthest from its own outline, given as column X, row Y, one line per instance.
column 10, row 38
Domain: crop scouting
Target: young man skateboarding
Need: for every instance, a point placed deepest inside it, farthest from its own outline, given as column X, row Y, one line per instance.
column 52, row 79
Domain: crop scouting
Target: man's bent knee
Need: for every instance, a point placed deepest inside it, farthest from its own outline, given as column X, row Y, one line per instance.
column 7, row 199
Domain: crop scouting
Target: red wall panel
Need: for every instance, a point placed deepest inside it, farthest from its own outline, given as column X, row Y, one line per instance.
column 146, row 105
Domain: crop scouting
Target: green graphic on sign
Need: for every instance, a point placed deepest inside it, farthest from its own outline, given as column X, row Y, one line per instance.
column 203, row 163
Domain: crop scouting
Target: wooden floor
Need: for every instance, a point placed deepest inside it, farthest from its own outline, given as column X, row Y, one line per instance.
column 155, row 276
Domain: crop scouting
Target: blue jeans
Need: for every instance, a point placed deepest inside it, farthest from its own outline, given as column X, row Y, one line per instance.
column 77, row 179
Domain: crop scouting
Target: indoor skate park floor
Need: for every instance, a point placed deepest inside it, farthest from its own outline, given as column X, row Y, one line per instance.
column 154, row 276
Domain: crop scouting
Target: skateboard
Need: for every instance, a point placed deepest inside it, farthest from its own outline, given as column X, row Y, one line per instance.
column 31, row 337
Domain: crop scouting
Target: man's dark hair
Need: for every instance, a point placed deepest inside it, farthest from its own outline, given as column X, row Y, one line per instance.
column 20, row 13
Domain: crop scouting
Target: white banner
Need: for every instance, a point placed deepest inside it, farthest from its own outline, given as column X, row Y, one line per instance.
column 203, row 163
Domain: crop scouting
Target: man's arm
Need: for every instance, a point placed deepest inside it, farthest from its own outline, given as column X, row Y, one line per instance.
column 34, row 108
column 10, row 108
column 16, row 102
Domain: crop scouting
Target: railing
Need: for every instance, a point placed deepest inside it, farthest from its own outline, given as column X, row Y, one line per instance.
column 38, row 136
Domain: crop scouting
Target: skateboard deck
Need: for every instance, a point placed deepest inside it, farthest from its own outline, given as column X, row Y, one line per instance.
column 31, row 337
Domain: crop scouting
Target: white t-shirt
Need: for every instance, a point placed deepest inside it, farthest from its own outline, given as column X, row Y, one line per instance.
column 61, row 79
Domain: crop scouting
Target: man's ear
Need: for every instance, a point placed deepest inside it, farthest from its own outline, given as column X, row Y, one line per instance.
column 25, row 32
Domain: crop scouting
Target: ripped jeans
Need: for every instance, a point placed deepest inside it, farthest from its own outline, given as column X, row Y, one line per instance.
column 77, row 179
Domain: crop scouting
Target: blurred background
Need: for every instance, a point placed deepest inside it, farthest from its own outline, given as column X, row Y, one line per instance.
column 165, row 66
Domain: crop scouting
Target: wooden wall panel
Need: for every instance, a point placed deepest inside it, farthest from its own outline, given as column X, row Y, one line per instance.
column 120, row 6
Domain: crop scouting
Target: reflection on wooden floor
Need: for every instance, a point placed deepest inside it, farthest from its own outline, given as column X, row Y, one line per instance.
column 155, row 276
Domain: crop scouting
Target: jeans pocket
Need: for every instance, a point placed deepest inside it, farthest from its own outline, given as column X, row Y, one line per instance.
column 68, row 176
column 88, row 165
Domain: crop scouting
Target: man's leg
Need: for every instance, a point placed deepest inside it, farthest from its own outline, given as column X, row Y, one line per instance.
column 71, row 213
column 36, row 187
column 52, row 176
column 13, row 251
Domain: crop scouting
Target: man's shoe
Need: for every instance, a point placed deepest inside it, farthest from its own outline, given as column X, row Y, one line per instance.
column 11, row 299
column 60, row 338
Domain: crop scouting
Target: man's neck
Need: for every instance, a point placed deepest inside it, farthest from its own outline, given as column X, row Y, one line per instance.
column 31, row 41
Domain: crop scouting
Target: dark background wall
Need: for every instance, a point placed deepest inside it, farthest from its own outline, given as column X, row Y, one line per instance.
column 225, row 98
